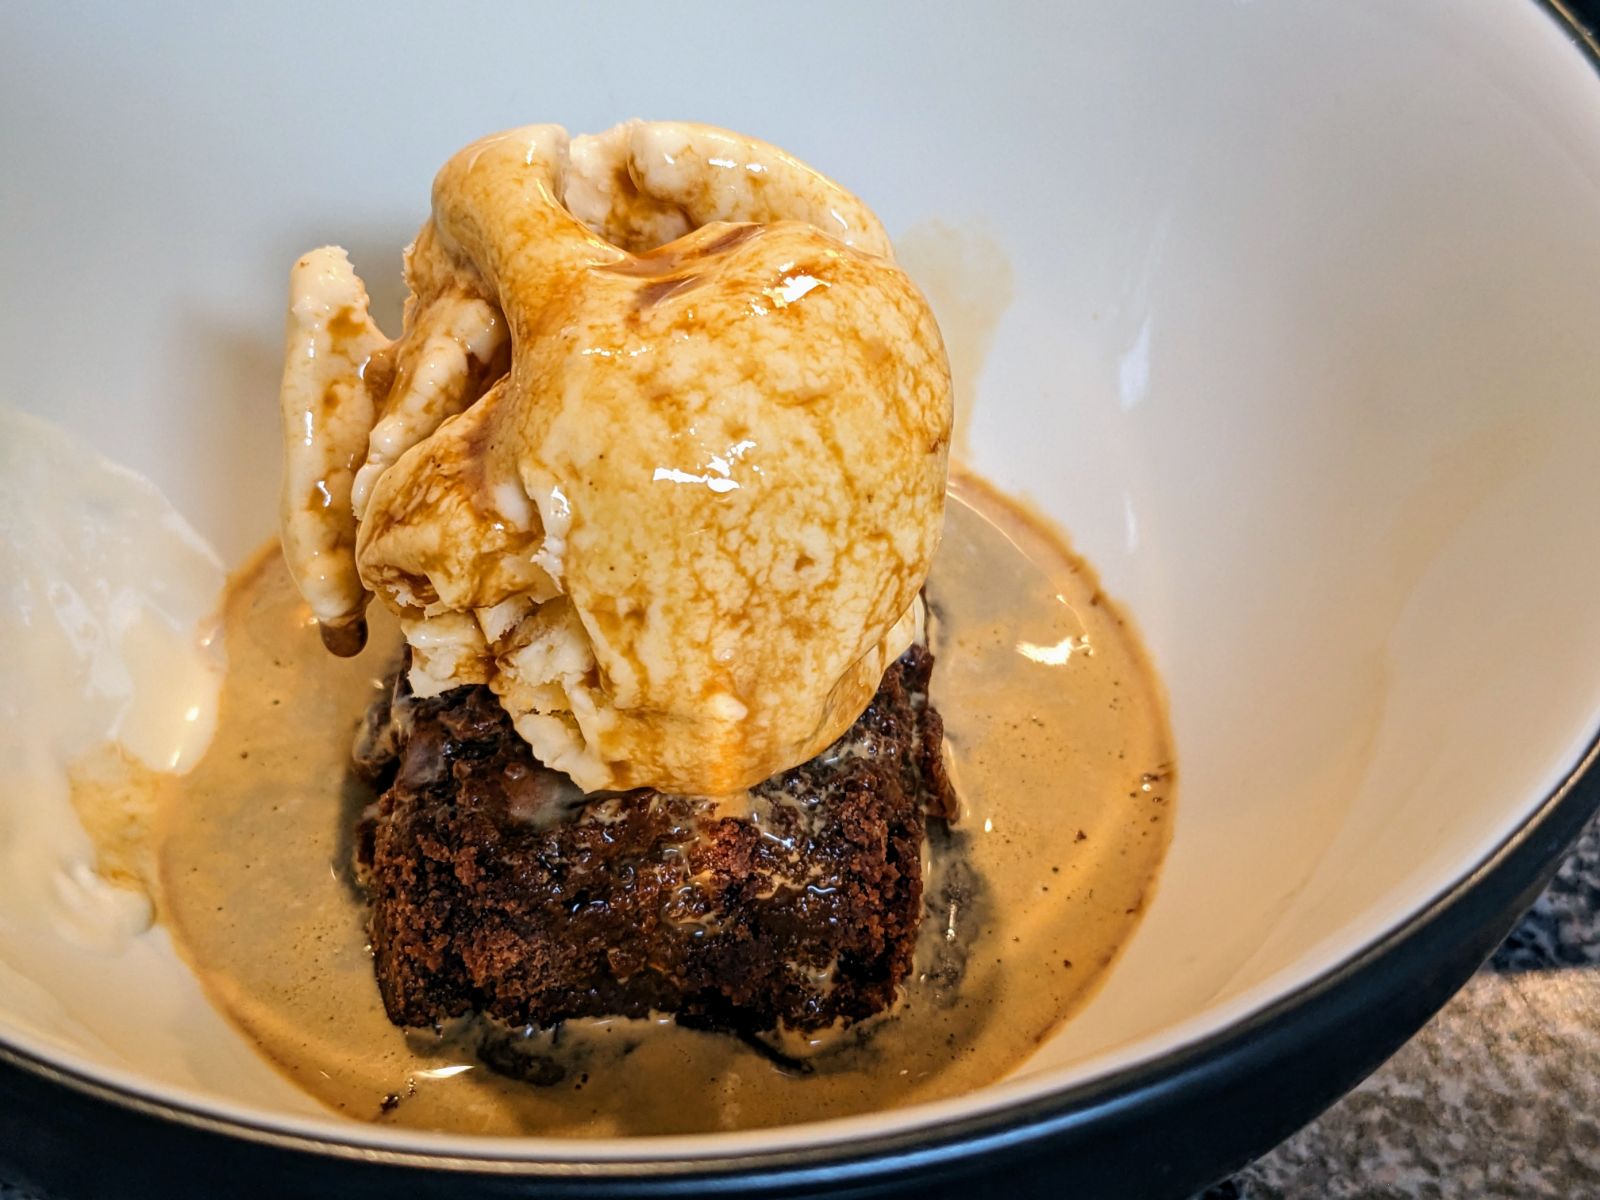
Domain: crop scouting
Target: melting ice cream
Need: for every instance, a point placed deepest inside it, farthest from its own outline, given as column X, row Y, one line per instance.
column 659, row 455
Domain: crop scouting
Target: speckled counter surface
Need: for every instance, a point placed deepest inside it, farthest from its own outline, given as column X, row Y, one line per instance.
column 1499, row 1096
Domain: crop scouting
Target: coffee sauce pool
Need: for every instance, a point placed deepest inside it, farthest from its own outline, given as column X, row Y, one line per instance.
column 1061, row 755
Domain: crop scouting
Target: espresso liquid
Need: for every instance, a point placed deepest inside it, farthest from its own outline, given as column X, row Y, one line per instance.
column 1062, row 758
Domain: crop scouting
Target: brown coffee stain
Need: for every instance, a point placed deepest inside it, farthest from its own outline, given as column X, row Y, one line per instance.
column 967, row 279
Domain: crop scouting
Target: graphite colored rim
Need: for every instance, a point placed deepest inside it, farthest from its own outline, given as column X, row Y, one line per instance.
column 1163, row 1127
column 1159, row 1128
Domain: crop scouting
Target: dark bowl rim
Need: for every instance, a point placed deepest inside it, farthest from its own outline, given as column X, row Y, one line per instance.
column 1520, row 859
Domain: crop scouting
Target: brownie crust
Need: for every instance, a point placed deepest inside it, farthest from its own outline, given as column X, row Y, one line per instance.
column 497, row 889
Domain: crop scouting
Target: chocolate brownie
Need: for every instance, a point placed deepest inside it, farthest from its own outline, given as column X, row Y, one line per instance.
column 497, row 888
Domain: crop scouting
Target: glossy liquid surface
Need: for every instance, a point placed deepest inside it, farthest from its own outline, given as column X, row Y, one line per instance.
column 1063, row 761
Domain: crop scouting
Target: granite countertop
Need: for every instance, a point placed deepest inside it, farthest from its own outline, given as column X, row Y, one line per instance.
column 1498, row 1096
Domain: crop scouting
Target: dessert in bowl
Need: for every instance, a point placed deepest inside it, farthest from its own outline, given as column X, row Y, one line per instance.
column 1306, row 402
column 644, row 752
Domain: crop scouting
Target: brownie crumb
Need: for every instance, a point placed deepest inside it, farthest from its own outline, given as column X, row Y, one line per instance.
column 496, row 888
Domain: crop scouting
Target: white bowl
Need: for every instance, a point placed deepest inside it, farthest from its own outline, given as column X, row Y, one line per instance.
column 1294, row 317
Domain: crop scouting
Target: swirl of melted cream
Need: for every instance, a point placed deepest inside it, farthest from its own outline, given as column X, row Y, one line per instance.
column 660, row 455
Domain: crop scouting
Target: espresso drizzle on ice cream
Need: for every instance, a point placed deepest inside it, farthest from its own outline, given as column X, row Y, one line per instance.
column 659, row 457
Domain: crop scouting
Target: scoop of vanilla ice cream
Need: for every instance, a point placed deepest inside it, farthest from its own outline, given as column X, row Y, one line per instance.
column 682, row 532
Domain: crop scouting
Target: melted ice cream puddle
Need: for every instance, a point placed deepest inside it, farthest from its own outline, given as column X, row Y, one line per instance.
column 1064, row 764
column 111, row 655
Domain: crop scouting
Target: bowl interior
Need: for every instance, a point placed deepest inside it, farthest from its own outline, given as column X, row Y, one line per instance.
column 1284, row 311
